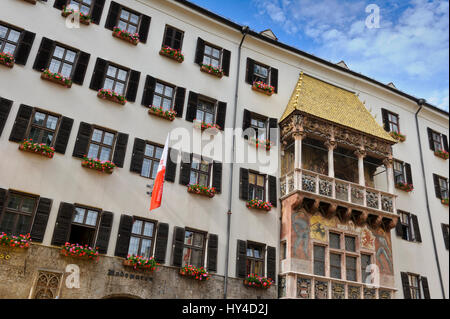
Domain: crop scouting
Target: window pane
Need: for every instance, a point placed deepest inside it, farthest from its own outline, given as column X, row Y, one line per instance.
column 137, row 227
column 319, row 260
column 108, row 85
column 59, row 52
column 93, row 151
column 120, row 88
column 335, row 266
column 258, row 268
column 14, row 202
column 159, row 88
column 13, row 36
column 28, row 205
column 188, row 237
column 335, row 241
column 23, row 225
column 204, row 167
column 209, row 118
column 196, row 259
column 122, row 75
column 207, row 60
column 131, row 28
column 34, row 134
column 134, row 19
column 208, row 50
column 108, row 139
column 97, row 135
column 51, row 122
column 148, row 229
column 198, row 240
column 168, row 91
column 122, row 25
column 257, row 253
column 157, row 100
column 3, row 31
column 193, row 178
column 112, row 71
column 105, row 154
column 85, row 9
column 54, row 66
column 91, row 218
column 134, row 246
column 66, row 70
column 167, row 104
column 187, row 256
column 215, row 63
column 124, row 14
column 79, row 215
column 203, row 180
column 149, row 150
column 200, row 115
column 70, row 56
column 155, row 170
column 260, row 181
column 146, row 248
column 159, row 152
column 249, row 252
column 216, row 53
column 8, row 222
column 47, row 138
column 146, row 167
column 350, row 243
column 9, row 48
column 259, row 193
column 350, row 263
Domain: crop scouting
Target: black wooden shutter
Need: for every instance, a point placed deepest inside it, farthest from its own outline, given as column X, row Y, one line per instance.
column 243, row 184
column 213, row 245
column 273, row 130
column 63, row 222
column 179, row 101
column 241, row 259
column 40, row 220
column 271, row 262
column 104, row 232
column 24, row 47
column 2, row 199
column 399, row 228
column 217, row 176
column 445, row 141
column 97, row 11
column 171, row 165
column 99, row 74
column 385, row 117
column 274, row 78
column 221, row 115
column 63, row 135
column 437, row 186
column 430, row 139
column 81, row 67
column 405, row 284
column 408, row 172
column 200, row 51
column 113, row 14
column 133, row 85
column 121, row 149
column 425, row 288
column 21, row 124
column 137, row 158
column 144, row 28
column 43, row 55
column 415, row 222
column 185, row 171
column 123, row 237
column 226, row 62
column 5, row 108
column 444, row 233
column 161, row 243
column 273, row 190
column 82, row 142
column 250, row 70
column 149, row 90
column 178, row 245
column 191, row 112
column 246, row 123
column 59, row 4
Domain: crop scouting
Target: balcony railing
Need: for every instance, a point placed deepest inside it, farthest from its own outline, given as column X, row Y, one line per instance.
column 340, row 190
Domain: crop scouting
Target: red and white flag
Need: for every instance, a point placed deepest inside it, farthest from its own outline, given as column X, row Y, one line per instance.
column 159, row 180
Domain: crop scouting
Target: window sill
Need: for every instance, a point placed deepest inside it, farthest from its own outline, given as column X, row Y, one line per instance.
column 7, row 60
column 212, row 70
column 209, row 192
column 199, row 274
column 128, row 264
column 103, row 167
column 256, row 285
column 263, row 88
column 111, row 96
column 167, row 115
column 172, row 54
column 56, row 78
column 79, row 252
column 259, row 205
column 86, row 20
column 125, row 36
column 35, row 148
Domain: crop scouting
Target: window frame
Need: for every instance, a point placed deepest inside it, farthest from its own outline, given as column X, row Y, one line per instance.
column 323, row 261
column 43, row 127
column 19, row 212
column 260, row 119
column 364, row 275
column 141, row 236
column 152, row 159
column 391, row 123
column 251, row 260
column 408, row 230
column 97, row 222
column 257, row 78
column 412, row 288
column 192, row 247
column 438, row 145
column 80, row 3
column 62, row 60
column 168, row 26
column 163, row 96
column 446, row 189
column 256, row 186
column 396, row 172
column 210, row 56
column 204, row 100
column 199, row 172
column 128, row 22
column 5, row 39
column 100, row 144
column 115, row 79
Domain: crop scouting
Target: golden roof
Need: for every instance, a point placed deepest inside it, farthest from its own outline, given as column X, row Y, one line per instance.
column 333, row 104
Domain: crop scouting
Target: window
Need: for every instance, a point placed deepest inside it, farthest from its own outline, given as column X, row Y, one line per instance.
column 101, row 145
column 62, row 61
column 194, row 248
column 319, row 260
column 366, row 260
column 212, row 56
column 152, row 157
column 283, row 250
column 261, row 73
column 200, row 172
column 350, row 243
column 259, row 125
column 9, row 39
column 335, row 265
column 128, row 21
column 173, row 38
column 350, row 268
column 437, row 141
column 18, row 214
column 163, row 96
column 405, row 219
column 142, row 238
column 399, row 172
column 443, row 185
column 43, row 128
column 445, row 232
column 335, row 241
column 206, row 111
column 84, row 226
column 393, row 122
column 414, row 286
column 256, row 186
column 255, row 259
column 84, row 6
column 116, row 79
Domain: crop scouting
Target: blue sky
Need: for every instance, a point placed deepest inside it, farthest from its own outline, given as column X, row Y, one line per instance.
column 410, row 48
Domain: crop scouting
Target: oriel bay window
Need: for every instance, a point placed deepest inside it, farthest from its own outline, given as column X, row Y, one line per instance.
column 254, row 185
column 16, row 42
column 209, row 54
column 142, row 238
column 258, row 72
column 42, row 127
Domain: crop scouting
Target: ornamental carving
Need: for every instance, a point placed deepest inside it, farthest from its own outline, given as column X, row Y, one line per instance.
column 47, row 285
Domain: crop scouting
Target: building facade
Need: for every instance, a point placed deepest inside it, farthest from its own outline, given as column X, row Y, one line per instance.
column 123, row 99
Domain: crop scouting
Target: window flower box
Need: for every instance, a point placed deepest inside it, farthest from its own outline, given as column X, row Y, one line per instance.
column 204, row 126
column 444, row 201
column 212, row 70
column 165, row 114
column 202, row 190
column 259, row 204
column 16, row 242
column 405, row 187
column 133, row 38
column 192, row 272
column 255, row 281
column 57, row 78
column 41, row 149
column 7, row 59
column 442, row 154
column 398, row 136
column 257, row 142
column 141, row 263
column 112, row 96
column 105, row 167
column 263, row 88
column 172, row 53
column 84, row 19
column 79, row 251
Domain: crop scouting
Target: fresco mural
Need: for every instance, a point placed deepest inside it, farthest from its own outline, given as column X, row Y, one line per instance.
column 319, row 226
column 383, row 252
column 300, row 225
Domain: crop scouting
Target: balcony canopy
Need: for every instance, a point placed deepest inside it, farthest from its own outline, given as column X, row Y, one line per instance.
column 333, row 104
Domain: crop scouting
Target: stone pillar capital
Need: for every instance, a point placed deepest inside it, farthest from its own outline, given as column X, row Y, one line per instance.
column 388, row 161
column 331, row 145
column 299, row 135
column 361, row 153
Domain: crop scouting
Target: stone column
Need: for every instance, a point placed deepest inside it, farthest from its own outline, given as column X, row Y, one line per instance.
column 361, row 154
column 298, row 137
column 331, row 145
column 389, row 163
